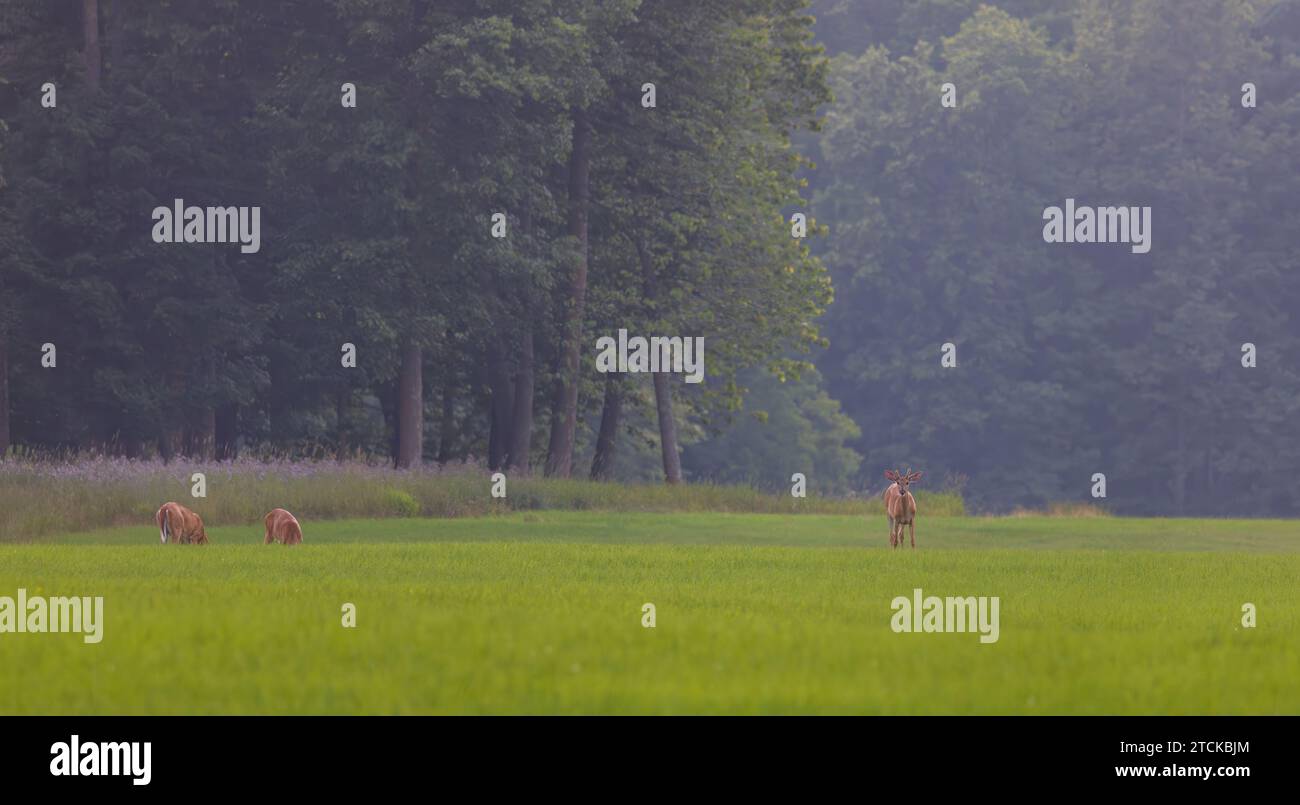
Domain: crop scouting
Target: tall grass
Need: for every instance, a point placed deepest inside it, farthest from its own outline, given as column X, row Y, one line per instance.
column 1063, row 509
column 40, row 497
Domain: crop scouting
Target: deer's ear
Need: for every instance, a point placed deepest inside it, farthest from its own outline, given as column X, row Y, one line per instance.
column 891, row 475
column 916, row 476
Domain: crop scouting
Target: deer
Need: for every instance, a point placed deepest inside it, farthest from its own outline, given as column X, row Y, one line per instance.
column 283, row 528
column 900, row 506
column 179, row 525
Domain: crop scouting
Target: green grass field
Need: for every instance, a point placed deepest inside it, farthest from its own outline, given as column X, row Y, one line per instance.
column 541, row 613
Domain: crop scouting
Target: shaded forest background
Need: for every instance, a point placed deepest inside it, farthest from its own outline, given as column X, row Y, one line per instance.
column 823, row 354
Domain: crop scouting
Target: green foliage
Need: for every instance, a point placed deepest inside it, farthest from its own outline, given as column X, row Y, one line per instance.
column 377, row 218
column 786, row 427
column 1071, row 360
column 401, row 504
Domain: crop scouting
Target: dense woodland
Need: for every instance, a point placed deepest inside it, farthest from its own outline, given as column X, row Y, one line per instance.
column 823, row 353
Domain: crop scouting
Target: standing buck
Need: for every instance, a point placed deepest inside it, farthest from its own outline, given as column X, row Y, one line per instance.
column 900, row 506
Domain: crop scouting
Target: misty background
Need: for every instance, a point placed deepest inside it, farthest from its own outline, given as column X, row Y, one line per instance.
column 823, row 353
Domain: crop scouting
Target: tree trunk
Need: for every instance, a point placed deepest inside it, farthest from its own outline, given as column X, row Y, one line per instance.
column 1208, row 492
column 4, row 396
column 667, row 429
column 90, row 33
column 342, row 397
column 169, row 442
column 387, row 394
column 1179, row 484
column 501, row 408
column 564, row 419
column 521, row 426
column 114, row 30
column 663, row 392
column 201, row 435
column 133, row 447
column 227, row 433
column 201, row 421
column 171, row 439
column 410, row 408
column 602, row 464
column 446, row 426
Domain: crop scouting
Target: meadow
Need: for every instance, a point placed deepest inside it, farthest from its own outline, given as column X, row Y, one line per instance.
column 43, row 496
column 541, row 612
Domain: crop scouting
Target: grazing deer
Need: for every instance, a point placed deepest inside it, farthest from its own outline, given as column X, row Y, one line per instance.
column 180, row 525
column 282, row 527
column 900, row 506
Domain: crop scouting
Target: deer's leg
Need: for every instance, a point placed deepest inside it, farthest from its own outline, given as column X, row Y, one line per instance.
column 891, row 531
column 911, row 530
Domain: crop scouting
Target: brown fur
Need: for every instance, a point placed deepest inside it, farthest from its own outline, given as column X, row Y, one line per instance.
column 900, row 507
column 177, row 524
column 282, row 527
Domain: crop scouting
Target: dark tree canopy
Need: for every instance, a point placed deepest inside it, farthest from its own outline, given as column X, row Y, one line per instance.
column 503, row 193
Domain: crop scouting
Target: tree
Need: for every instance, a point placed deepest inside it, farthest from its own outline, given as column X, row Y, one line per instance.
column 928, row 248
column 785, row 427
column 1070, row 359
column 689, row 193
